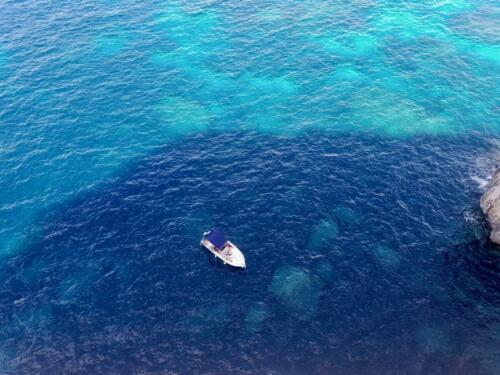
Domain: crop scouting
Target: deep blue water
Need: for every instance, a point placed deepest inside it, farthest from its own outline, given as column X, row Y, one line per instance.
column 338, row 144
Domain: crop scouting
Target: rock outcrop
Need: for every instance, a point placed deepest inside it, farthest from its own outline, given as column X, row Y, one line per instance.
column 490, row 204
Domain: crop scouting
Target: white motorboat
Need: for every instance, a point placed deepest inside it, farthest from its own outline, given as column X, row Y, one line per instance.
column 215, row 242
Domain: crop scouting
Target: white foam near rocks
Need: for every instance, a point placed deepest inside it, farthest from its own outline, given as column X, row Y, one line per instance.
column 490, row 204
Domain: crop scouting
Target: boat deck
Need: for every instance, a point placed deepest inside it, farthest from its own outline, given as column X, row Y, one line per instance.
column 230, row 254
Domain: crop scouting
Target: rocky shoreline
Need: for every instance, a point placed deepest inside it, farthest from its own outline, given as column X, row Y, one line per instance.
column 490, row 204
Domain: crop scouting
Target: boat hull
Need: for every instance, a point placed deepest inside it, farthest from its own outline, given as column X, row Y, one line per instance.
column 230, row 255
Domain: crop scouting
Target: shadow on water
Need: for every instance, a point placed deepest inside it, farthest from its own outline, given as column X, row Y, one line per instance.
column 218, row 264
column 117, row 279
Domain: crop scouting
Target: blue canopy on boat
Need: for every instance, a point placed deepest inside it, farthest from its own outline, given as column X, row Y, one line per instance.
column 217, row 238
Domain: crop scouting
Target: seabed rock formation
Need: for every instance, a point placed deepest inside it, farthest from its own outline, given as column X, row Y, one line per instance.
column 490, row 204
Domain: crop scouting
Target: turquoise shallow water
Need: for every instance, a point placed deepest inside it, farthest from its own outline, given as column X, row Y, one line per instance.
column 338, row 142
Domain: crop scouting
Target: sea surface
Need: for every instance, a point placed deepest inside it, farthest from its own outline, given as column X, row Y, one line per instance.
column 342, row 145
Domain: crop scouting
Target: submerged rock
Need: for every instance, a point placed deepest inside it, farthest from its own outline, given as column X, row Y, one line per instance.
column 297, row 290
column 387, row 256
column 325, row 271
column 204, row 319
column 322, row 234
column 346, row 215
column 183, row 117
column 256, row 316
column 490, row 204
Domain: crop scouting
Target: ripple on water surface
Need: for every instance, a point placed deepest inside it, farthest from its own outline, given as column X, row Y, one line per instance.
column 124, row 258
column 3, row 58
column 307, row 130
column 111, row 45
